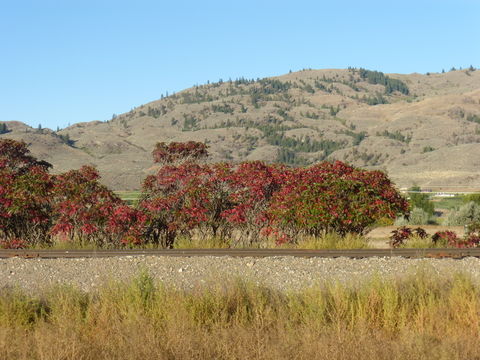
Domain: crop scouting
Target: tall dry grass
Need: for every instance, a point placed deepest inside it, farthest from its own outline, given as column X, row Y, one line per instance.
column 418, row 318
column 330, row 241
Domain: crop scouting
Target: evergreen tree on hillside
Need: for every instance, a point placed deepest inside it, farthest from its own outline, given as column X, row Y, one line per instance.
column 377, row 77
column 66, row 139
column 3, row 128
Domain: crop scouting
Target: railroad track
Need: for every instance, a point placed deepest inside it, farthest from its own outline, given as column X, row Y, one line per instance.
column 363, row 253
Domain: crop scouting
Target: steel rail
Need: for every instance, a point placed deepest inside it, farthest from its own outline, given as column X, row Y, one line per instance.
column 361, row 253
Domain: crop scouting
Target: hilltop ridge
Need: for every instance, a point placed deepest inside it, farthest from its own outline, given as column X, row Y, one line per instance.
column 421, row 129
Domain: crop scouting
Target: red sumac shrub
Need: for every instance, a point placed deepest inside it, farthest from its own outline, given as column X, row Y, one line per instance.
column 252, row 186
column 35, row 205
column 334, row 197
column 15, row 156
column 449, row 238
column 127, row 225
column 471, row 241
column 185, row 197
column 88, row 211
column 400, row 236
column 13, row 243
column 468, row 241
column 213, row 199
column 25, row 194
column 421, row 233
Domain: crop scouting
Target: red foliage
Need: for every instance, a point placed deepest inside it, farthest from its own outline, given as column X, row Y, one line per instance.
column 470, row 241
column 209, row 198
column 255, row 199
column 334, row 197
column 15, row 156
column 449, row 238
column 25, row 192
column 88, row 211
column 13, row 243
column 181, row 198
column 35, row 205
column 402, row 234
column 251, row 199
column 252, row 186
column 421, row 233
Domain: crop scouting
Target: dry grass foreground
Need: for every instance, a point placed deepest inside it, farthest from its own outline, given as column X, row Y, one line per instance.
column 417, row 318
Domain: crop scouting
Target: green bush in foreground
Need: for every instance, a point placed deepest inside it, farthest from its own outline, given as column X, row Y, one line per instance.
column 422, row 317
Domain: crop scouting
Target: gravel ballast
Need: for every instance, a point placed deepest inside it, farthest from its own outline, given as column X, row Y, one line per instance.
column 282, row 273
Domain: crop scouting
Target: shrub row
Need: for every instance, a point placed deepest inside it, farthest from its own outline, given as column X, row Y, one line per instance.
column 446, row 238
column 247, row 202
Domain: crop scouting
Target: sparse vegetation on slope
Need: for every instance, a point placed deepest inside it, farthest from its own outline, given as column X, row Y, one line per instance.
column 377, row 77
column 3, row 128
column 299, row 118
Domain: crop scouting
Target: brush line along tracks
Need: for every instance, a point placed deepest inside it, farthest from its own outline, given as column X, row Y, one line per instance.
column 364, row 253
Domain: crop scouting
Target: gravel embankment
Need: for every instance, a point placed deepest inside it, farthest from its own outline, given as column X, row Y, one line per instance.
column 283, row 273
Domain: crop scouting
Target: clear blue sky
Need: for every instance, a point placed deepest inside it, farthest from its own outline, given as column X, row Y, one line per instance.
column 66, row 61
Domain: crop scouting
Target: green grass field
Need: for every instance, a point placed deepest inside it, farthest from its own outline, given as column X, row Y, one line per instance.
column 448, row 203
column 130, row 197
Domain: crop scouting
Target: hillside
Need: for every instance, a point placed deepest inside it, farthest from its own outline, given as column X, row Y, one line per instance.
column 421, row 129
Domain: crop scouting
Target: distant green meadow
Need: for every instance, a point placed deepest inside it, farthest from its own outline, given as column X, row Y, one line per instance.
column 448, row 203
column 130, row 197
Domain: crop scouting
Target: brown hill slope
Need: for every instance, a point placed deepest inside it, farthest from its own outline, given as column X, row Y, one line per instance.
column 421, row 129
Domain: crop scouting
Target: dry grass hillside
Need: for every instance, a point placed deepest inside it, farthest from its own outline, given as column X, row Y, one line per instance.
column 421, row 129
